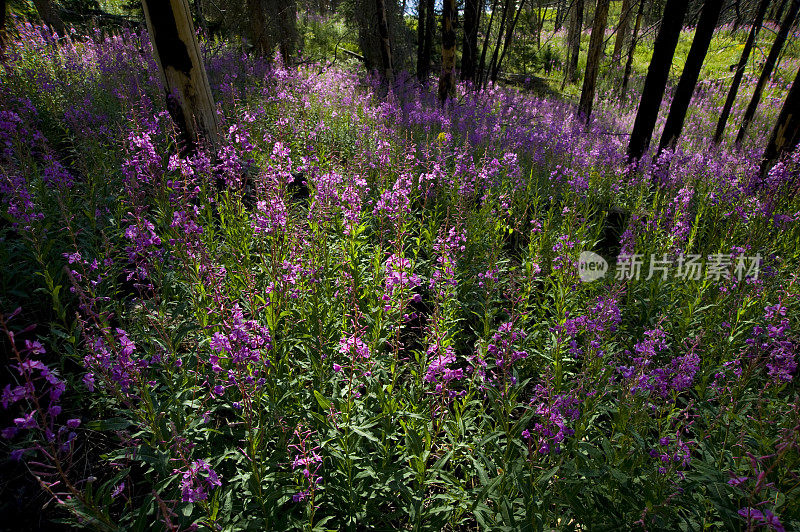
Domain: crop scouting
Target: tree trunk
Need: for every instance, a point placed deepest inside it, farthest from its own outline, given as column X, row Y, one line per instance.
column 786, row 132
column 469, row 52
column 286, row 16
column 424, row 66
column 574, row 42
column 539, row 24
column 258, row 28
column 496, row 51
column 386, row 47
column 739, row 74
column 777, row 13
column 657, row 75
column 50, row 16
column 691, row 72
column 737, row 21
column 482, row 65
column 447, row 79
column 769, row 66
column 509, row 35
column 3, row 34
column 430, row 30
column 622, row 31
column 593, row 59
column 631, row 49
column 186, row 87
column 422, row 69
column 559, row 15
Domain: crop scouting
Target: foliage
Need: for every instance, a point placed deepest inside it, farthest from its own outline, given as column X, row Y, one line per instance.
column 377, row 322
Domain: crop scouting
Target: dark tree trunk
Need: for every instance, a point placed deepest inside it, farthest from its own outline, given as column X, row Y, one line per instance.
column 188, row 94
column 559, row 14
column 657, row 75
column 447, row 79
column 691, row 72
column 786, row 132
column 769, row 66
column 739, row 74
column 482, row 65
column 539, row 24
column 422, row 70
column 632, row 48
column 258, row 28
column 593, row 59
column 424, row 62
column 737, row 21
column 509, row 35
column 286, row 11
column 386, row 47
column 622, row 31
column 50, row 16
column 777, row 13
column 469, row 51
column 574, row 42
column 430, row 30
column 496, row 51
column 3, row 34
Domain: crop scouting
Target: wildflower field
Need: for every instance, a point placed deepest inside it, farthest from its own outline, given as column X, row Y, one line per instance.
column 368, row 311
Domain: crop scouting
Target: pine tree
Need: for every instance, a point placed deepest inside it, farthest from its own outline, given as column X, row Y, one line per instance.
column 386, row 47
column 691, row 72
column 447, row 79
column 769, row 66
column 258, row 28
column 574, row 42
column 622, row 30
column 631, row 49
column 425, row 38
column 786, row 131
column 593, row 59
column 739, row 74
column 657, row 75
column 469, row 52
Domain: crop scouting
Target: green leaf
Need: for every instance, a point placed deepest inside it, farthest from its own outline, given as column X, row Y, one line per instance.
column 114, row 423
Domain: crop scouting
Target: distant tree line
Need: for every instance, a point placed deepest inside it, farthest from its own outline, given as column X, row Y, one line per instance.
column 472, row 39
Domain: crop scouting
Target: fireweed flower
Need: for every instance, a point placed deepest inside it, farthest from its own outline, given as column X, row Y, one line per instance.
column 271, row 217
column 115, row 362
column 235, row 156
column 438, row 372
column 647, row 377
column 774, row 344
column 564, row 259
column 144, row 250
column 143, row 162
column 39, row 397
column 448, row 248
column 242, row 342
column 398, row 281
column 197, row 480
column 307, row 461
column 354, row 346
column 756, row 517
column 553, row 414
column 592, row 327
column 394, row 203
column 503, row 346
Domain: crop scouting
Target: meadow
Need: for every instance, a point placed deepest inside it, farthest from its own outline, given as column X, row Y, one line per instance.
column 364, row 310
